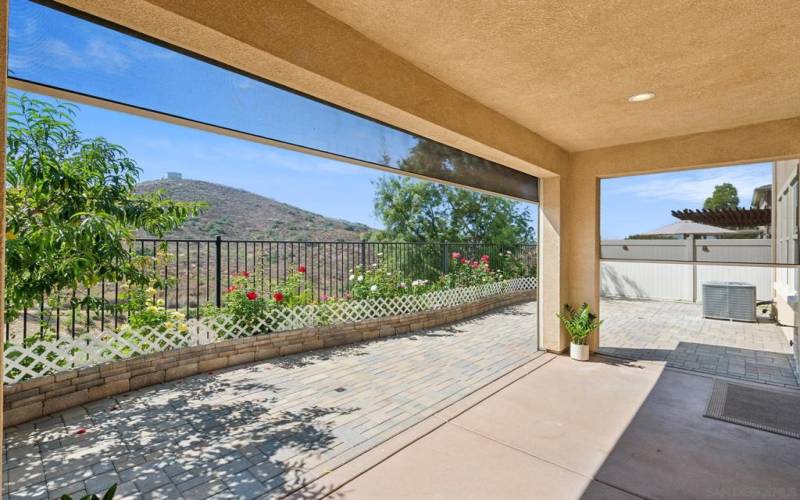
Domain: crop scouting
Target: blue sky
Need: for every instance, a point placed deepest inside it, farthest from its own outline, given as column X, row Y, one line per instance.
column 327, row 187
column 631, row 205
column 52, row 47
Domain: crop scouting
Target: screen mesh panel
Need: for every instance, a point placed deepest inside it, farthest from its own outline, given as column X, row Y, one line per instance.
column 57, row 49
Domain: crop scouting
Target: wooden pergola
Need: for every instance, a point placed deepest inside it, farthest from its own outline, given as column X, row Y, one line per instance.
column 727, row 217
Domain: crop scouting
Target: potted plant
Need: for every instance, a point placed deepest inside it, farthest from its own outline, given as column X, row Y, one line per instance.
column 580, row 323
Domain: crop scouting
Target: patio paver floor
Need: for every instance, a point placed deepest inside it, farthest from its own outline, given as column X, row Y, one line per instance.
column 261, row 430
column 677, row 333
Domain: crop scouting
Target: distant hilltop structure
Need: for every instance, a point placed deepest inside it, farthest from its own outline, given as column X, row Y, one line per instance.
column 174, row 176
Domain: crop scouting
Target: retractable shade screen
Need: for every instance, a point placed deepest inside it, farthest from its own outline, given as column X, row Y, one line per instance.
column 65, row 53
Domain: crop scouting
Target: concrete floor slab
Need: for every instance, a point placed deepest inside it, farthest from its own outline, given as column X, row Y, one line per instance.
column 445, row 465
column 606, row 430
column 571, row 422
column 671, row 451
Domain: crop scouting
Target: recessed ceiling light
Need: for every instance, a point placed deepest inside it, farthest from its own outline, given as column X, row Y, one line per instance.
column 644, row 96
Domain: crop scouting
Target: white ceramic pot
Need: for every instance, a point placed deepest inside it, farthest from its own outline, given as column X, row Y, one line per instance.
column 579, row 352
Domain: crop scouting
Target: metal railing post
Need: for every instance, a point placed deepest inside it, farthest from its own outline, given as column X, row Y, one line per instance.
column 218, row 272
column 363, row 255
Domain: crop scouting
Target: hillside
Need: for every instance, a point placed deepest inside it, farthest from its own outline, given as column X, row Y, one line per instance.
column 238, row 214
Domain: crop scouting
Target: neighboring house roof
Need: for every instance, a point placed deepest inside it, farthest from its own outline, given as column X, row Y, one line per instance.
column 762, row 197
column 727, row 217
column 685, row 228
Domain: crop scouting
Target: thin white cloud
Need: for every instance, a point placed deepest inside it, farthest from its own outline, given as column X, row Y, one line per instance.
column 245, row 83
column 273, row 157
column 105, row 55
column 29, row 28
column 99, row 53
column 19, row 63
column 61, row 54
column 242, row 153
column 695, row 187
column 144, row 51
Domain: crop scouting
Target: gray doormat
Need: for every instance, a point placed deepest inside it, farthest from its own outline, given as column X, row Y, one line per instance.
column 765, row 409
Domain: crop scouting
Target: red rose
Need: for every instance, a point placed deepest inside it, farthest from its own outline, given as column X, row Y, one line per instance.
column 485, row 258
column 464, row 261
column 474, row 264
column 301, row 269
column 231, row 288
column 456, row 255
column 245, row 274
column 278, row 296
column 251, row 295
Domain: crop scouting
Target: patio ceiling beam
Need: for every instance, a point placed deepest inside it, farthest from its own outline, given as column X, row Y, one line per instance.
column 298, row 45
column 768, row 141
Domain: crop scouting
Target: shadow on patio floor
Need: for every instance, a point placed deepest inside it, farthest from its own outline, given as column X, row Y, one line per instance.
column 772, row 368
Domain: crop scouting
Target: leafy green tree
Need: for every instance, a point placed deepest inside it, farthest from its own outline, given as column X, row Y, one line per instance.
column 71, row 207
column 413, row 210
column 725, row 196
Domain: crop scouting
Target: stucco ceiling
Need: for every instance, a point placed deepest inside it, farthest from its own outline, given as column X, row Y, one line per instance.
column 565, row 69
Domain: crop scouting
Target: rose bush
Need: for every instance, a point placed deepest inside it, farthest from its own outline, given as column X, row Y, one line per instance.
column 465, row 272
column 246, row 303
column 293, row 291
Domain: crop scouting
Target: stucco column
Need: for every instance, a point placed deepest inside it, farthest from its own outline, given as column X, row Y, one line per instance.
column 581, row 242
column 3, row 88
column 552, row 262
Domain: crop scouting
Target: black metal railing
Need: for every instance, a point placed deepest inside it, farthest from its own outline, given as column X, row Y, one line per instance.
column 198, row 272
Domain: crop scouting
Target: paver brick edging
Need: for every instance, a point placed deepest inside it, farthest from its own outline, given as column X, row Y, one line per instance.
column 43, row 396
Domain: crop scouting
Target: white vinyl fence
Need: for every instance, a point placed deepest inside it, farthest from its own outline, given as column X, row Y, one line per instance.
column 681, row 281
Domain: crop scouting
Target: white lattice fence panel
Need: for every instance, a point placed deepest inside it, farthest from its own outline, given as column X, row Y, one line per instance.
column 38, row 357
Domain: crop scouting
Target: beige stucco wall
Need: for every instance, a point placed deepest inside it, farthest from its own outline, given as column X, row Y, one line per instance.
column 552, row 264
column 581, row 212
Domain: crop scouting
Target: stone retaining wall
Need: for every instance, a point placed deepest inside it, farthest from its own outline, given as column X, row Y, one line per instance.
column 41, row 396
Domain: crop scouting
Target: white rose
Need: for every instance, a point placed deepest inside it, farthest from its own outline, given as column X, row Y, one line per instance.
column 402, row 284
column 360, row 278
column 352, row 277
column 373, row 288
